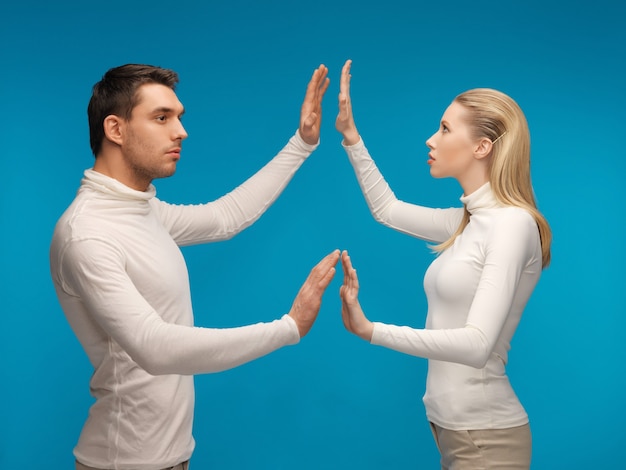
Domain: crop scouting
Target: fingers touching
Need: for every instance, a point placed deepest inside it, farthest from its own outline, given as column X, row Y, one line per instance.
column 324, row 272
column 311, row 112
column 307, row 303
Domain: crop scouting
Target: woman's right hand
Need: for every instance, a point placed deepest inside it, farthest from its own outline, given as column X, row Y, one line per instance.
column 345, row 120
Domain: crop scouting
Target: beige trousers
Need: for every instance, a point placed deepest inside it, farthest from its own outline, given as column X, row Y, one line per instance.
column 180, row 466
column 484, row 449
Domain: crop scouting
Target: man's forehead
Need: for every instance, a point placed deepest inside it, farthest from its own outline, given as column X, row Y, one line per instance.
column 157, row 96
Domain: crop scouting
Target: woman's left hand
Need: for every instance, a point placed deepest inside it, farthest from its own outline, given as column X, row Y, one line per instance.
column 351, row 312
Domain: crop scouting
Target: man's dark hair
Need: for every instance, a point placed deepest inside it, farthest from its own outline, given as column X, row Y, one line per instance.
column 116, row 94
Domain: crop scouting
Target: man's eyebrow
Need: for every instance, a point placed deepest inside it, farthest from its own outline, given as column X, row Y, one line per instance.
column 166, row 110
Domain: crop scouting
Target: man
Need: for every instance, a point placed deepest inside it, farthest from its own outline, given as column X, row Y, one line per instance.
column 123, row 284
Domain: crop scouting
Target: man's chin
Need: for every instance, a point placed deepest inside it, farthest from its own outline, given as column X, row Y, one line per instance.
column 167, row 172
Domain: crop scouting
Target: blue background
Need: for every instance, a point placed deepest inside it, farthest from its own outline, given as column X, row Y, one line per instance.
column 332, row 401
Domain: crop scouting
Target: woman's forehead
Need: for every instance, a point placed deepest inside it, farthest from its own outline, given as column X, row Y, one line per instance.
column 454, row 113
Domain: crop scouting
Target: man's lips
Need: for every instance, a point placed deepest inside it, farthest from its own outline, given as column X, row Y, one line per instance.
column 175, row 152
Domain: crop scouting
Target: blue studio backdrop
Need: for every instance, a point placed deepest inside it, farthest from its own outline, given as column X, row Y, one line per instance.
column 333, row 401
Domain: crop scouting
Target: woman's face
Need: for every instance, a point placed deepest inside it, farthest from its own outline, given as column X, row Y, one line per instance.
column 451, row 147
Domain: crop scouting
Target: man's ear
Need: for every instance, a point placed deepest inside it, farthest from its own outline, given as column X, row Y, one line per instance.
column 113, row 129
column 483, row 148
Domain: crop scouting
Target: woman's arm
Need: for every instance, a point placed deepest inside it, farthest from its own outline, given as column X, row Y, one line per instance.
column 435, row 225
column 501, row 293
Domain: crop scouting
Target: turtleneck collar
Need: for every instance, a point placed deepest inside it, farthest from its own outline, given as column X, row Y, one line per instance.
column 113, row 188
column 482, row 198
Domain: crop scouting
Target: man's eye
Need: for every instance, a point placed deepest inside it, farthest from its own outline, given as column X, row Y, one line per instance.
column 160, row 118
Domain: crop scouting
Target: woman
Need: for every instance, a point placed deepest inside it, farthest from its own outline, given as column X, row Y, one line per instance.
column 491, row 254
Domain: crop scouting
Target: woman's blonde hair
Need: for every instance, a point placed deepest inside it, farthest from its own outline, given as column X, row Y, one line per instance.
column 494, row 115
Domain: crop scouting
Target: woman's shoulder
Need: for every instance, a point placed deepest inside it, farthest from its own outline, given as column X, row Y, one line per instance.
column 514, row 220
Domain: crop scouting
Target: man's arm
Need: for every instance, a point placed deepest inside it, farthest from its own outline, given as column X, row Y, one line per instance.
column 96, row 285
column 240, row 208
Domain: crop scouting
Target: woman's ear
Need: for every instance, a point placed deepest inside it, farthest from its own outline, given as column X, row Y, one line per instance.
column 483, row 148
column 113, row 129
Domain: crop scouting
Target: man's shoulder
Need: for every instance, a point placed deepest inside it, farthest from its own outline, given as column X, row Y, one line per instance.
column 86, row 218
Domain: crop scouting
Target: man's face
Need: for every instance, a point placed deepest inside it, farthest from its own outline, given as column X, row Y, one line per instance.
column 153, row 135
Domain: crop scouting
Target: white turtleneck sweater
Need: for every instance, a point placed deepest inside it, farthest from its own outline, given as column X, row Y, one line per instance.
column 476, row 289
column 123, row 285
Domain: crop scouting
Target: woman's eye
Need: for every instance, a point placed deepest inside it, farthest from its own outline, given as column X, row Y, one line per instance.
column 444, row 128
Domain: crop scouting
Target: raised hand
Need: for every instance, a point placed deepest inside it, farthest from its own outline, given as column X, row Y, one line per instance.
column 351, row 312
column 311, row 111
column 309, row 299
column 345, row 120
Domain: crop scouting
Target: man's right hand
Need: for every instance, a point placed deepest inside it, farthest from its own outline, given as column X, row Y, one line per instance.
column 311, row 111
column 309, row 299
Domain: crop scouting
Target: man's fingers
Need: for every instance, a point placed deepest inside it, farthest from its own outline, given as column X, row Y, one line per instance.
column 324, row 87
column 323, row 269
column 322, row 78
column 319, row 81
column 310, row 89
column 323, row 283
column 311, row 110
column 330, row 259
column 327, row 269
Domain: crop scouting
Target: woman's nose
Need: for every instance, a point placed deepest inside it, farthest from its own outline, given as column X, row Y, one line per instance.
column 429, row 142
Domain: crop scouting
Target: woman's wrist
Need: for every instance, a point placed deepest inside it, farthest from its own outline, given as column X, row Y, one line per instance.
column 351, row 137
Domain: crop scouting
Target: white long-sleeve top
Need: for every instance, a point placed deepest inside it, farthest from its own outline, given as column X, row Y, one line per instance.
column 123, row 285
column 476, row 290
